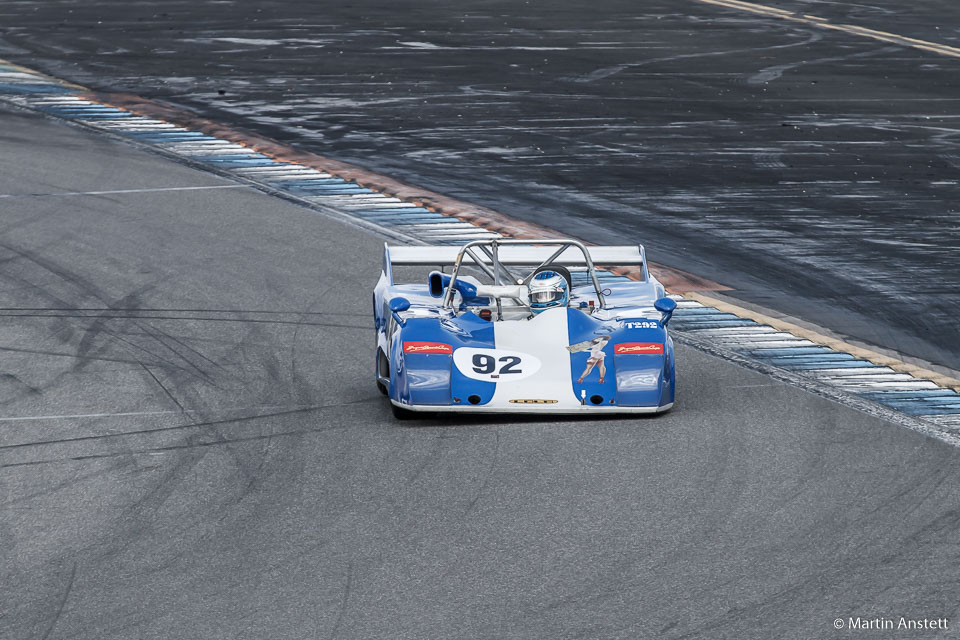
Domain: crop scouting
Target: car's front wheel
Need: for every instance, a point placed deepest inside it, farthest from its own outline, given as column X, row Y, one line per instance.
column 383, row 372
column 402, row 414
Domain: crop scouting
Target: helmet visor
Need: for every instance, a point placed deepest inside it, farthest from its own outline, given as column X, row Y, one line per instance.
column 543, row 296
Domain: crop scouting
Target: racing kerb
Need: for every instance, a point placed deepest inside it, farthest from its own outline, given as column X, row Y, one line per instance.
column 914, row 396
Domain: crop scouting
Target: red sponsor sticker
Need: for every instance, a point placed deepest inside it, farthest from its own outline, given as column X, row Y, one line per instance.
column 639, row 348
column 426, row 347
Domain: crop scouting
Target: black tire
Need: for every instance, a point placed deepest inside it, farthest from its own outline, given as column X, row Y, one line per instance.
column 402, row 414
column 383, row 370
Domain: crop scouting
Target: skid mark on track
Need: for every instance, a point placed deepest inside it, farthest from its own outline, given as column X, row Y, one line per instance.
column 302, row 387
column 190, row 425
column 770, row 74
column 90, row 348
column 193, row 442
column 606, row 72
column 166, row 391
column 19, row 384
column 494, row 458
column 63, row 602
column 74, row 479
column 114, row 314
column 344, row 600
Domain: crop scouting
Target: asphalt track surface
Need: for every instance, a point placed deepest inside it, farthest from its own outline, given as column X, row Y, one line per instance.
column 813, row 171
column 192, row 446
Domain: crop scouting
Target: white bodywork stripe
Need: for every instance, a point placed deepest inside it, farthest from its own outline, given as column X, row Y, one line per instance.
column 546, row 336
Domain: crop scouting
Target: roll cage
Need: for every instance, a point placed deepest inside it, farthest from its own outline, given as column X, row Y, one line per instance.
column 495, row 256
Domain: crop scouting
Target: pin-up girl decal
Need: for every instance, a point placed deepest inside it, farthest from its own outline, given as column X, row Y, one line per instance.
column 596, row 357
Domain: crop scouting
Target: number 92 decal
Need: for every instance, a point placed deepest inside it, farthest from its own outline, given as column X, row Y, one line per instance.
column 495, row 365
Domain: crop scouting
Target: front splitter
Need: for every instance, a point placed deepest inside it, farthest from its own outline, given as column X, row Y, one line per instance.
column 532, row 409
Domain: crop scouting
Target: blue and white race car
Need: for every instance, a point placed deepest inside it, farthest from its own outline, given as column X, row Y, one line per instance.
column 514, row 326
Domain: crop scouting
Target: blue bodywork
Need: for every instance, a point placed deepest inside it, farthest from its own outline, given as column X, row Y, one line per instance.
column 430, row 378
column 574, row 358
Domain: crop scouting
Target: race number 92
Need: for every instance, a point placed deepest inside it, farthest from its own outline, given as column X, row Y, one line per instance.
column 495, row 365
column 509, row 365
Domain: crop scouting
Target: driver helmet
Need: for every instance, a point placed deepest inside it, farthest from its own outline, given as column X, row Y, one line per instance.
column 548, row 289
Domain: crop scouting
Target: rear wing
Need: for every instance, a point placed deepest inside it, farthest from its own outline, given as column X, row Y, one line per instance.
column 520, row 255
column 491, row 255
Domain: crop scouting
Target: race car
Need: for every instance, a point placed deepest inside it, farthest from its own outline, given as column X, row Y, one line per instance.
column 522, row 326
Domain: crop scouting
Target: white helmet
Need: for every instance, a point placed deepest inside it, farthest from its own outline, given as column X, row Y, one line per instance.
column 548, row 289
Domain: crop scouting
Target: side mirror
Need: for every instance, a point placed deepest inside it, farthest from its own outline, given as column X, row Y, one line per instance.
column 665, row 306
column 397, row 305
column 402, row 304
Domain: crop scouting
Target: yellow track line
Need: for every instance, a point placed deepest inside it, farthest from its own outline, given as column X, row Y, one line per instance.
column 817, row 21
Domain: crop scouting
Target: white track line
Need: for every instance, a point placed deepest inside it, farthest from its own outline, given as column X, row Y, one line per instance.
column 117, row 191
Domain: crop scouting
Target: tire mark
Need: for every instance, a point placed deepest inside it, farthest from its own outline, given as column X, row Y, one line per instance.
column 344, row 601
column 606, row 72
column 63, row 602
column 155, row 334
column 487, row 475
column 69, row 482
column 209, row 423
column 98, row 326
column 27, row 388
column 191, row 318
column 86, row 352
column 194, row 445
column 426, row 459
column 162, row 310
column 161, row 385
column 770, row 74
column 302, row 388
column 43, row 352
